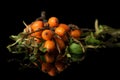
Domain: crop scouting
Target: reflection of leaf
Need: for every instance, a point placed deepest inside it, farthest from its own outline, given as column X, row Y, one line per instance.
column 42, row 58
column 76, row 57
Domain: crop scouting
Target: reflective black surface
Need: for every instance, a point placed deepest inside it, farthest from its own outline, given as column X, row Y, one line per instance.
column 101, row 63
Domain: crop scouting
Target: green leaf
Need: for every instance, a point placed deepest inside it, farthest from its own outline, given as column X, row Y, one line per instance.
column 91, row 40
column 100, row 29
column 71, row 41
column 21, row 35
column 43, row 50
column 41, row 47
column 13, row 37
column 20, row 49
column 75, row 48
column 40, row 44
column 35, row 51
column 34, row 44
column 33, row 58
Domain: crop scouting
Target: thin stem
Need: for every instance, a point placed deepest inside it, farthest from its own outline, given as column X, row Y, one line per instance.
column 87, row 29
column 13, row 44
column 96, row 26
column 27, row 27
column 25, row 24
column 43, row 14
column 42, row 17
column 91, row 46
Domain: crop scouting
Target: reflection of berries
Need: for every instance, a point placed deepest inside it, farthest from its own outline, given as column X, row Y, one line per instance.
column 55, row 53
column 46, row 67
column 49, row 58
column 60, row 57
column 60, row 63
column 53, row 71
column 60, row 66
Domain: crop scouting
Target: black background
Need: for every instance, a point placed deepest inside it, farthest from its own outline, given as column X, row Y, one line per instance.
column 101, row 63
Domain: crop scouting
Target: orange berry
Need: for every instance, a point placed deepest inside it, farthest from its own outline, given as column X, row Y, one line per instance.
column 66, row 27
column 47, row 34
column 50, row 45
column 60, row 43
column 60, row 31
column 64, row 38
column 37, row 25
column 75, row 33
column 53, row 22
column 37, row 34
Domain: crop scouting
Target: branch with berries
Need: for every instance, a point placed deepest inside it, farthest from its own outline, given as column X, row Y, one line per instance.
column 52, row 46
